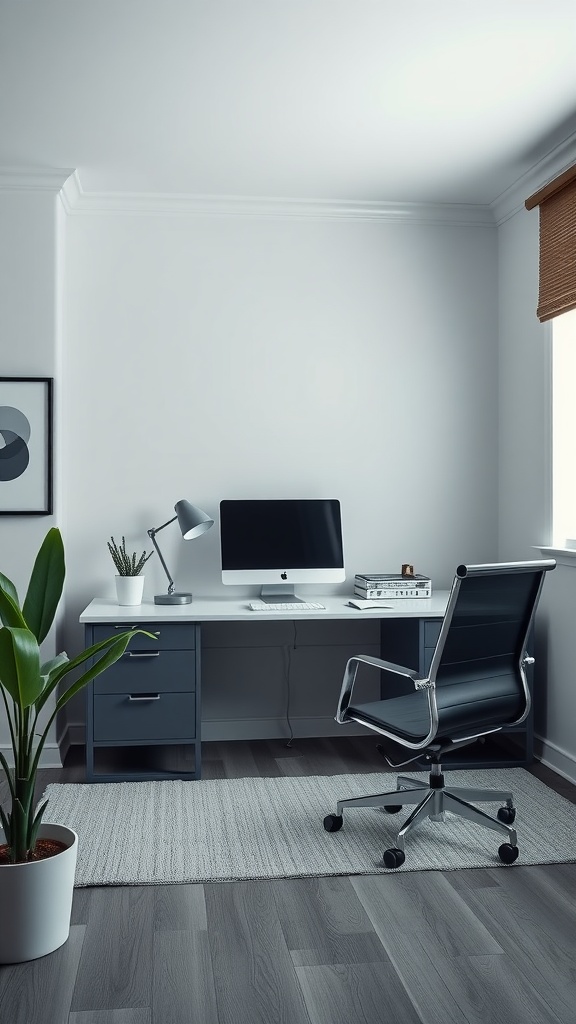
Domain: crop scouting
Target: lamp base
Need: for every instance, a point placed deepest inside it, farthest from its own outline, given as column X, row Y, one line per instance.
column 173, row 599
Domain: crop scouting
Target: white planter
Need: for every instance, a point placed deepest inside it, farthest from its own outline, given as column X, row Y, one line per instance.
column 36, row 900
column 129, row 589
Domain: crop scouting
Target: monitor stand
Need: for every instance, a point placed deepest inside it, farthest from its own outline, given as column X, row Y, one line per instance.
column 279, row 593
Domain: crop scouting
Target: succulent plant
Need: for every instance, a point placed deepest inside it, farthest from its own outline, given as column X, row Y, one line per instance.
column 127, row 565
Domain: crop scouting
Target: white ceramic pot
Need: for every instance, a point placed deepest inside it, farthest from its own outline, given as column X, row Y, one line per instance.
column 36, row 900
column 129, row 589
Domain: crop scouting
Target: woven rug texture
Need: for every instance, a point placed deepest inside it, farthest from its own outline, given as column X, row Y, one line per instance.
column 144, row 833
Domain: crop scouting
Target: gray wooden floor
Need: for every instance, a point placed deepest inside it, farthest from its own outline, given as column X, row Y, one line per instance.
column 481, row 946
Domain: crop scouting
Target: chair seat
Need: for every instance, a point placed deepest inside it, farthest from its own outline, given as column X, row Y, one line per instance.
column 462, row 707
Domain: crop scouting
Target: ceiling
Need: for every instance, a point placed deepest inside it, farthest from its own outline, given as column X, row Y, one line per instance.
column 372, row 100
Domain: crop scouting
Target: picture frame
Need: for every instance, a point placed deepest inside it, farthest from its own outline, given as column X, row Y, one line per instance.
column 26, row 446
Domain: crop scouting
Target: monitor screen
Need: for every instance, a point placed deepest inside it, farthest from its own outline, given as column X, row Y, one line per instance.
column 281, row 541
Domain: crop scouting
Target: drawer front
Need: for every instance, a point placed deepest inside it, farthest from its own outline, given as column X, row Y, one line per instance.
column 169, row 636
column 431, row 631
column 428, row 652
column 117, row 718
column 149, row 672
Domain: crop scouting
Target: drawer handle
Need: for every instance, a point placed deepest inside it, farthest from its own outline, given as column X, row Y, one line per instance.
column 143, row 696
column 156, row 632
column 144, row 654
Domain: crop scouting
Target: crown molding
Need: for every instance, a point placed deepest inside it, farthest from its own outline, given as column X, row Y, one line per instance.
column 34, row 179
column 78, row 202
column 70, row 195
column 75, row 200
column 512, row 200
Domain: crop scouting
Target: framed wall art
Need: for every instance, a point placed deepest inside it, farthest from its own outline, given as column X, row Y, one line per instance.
column 26, row 425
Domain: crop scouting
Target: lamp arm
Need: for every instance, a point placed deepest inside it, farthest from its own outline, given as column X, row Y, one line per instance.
column 156, row 529
column 152, row 534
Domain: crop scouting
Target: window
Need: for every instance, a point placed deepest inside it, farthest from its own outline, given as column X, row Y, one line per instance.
column 556, row 202
column 564, row 430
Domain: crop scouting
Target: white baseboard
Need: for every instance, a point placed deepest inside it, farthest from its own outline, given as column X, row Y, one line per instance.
column 49, row 758
column 554, row 757
column 74, row 735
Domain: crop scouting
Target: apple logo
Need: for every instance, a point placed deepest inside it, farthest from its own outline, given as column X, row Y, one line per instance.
column 283, row 575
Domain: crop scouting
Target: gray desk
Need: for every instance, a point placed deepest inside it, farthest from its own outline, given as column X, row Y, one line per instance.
column 151, row 698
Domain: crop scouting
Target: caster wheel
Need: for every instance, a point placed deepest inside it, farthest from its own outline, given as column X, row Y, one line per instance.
column 506, row 815
column 392, row 808
column 507, row 853
column 333, row 822
column 394, row 858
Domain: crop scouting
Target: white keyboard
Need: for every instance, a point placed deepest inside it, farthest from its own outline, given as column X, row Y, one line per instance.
column 298, row 606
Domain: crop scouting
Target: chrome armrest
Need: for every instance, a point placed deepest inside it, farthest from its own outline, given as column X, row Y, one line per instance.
column 389, row 666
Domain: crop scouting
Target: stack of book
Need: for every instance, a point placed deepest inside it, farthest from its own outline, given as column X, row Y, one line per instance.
column 391, row 586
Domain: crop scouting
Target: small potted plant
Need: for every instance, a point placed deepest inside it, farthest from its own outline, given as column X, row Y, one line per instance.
column 129, row 581
column 37, row 859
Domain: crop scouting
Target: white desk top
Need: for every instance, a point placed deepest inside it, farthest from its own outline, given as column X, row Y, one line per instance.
column 229, row 609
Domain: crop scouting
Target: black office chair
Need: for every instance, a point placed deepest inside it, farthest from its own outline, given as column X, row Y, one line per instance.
column 476, row 685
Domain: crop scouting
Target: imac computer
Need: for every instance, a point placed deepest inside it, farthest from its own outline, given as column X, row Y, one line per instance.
column 279, row 543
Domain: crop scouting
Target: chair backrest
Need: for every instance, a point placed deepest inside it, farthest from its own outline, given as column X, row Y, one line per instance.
column 482, row 641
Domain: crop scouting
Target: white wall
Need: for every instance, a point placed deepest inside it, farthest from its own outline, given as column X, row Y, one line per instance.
column 524, row 372
column 211, row 357
column 183, row 335
column 524, row 487
column 30, row 333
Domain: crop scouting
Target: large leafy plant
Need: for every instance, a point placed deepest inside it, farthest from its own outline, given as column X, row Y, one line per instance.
column 26, row 685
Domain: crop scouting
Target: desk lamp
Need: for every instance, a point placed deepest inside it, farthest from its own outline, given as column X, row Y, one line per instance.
column 192, row 522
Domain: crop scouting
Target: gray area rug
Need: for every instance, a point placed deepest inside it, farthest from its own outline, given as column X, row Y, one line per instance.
column 144, row 833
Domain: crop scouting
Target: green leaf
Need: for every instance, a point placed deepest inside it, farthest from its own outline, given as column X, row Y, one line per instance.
column 6, row 826
column 113, row 654
column 46, row 584
column 49, row 667
column 20, row 661
column 51, row 673
column 10, row 613
column 9, row 588
column 35, row 825
column 115, row 645
column 18, row 842
column 9, row 773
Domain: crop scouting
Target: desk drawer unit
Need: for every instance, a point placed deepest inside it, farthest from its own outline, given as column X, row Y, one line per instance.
column 149, row 697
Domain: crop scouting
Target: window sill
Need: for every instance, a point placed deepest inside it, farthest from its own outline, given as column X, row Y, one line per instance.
column 564, row 556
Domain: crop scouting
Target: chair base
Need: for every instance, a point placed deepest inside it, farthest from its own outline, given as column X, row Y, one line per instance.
column 434, row 799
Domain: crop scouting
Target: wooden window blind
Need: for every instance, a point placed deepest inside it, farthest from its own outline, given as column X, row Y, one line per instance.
column 557, row 286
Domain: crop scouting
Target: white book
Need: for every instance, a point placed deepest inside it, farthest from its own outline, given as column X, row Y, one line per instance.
column 393, row 593
column 391, row 581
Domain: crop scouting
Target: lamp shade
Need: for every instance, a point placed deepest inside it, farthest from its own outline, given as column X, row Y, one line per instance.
column 191, row 520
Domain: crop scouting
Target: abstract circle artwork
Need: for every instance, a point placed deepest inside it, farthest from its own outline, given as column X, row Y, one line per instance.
column 15, row 433
column 26, row 429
